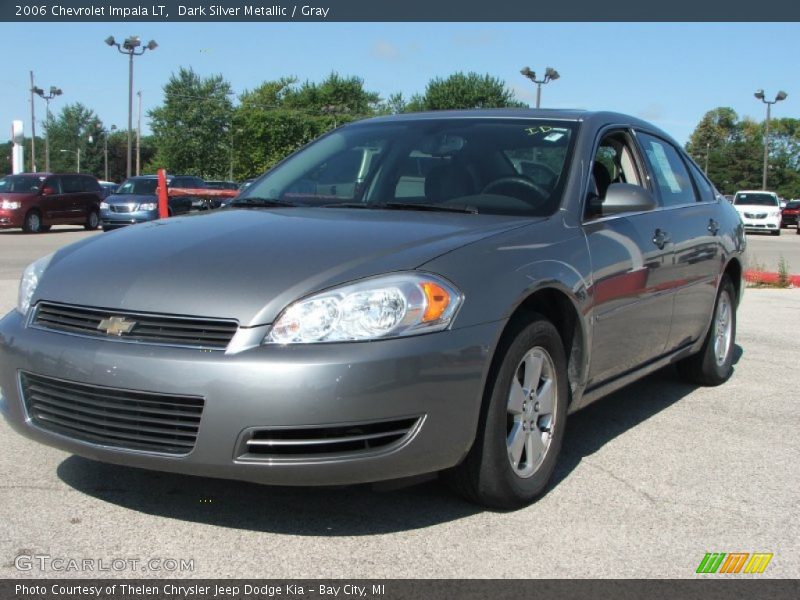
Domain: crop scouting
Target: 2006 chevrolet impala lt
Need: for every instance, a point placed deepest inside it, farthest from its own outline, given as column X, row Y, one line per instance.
column 406, row 295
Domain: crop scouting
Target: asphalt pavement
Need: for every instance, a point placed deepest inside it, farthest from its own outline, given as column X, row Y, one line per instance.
column 650, row 479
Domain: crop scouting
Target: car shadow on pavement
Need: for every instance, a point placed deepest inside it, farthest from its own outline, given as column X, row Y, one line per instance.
column 351, row 510
column 591, row 428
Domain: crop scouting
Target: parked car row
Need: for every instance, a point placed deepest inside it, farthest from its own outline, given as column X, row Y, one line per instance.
column 35, row 202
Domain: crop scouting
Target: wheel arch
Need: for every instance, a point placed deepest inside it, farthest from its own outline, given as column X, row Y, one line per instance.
column 558, row 307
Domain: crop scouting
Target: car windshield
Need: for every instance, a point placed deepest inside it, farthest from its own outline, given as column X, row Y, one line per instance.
column 138, row 186
column 756, row 199
column 793, row 204
column 20, row 184
column 476, row 165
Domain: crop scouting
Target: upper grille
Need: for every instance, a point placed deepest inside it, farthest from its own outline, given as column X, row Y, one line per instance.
column 755, row 215
column 149, row 328
column 111, row 416
column 319, row 441
column 122, row 208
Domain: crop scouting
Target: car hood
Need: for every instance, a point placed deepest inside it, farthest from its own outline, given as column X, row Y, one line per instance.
column 130, row 198
column 249, row 264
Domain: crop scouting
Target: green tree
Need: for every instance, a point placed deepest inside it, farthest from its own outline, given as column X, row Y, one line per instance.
column 192, row 128
column 465, row 90
column 278, row 117
column 733, row 149
column 75, row 128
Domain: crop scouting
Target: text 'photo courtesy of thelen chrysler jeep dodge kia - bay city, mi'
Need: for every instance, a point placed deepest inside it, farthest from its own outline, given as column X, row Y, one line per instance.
column 407, row 295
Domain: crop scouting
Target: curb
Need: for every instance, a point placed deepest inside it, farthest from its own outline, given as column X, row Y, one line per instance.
column 767, row 277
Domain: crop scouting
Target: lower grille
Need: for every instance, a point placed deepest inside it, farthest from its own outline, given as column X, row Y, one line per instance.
column 322, row 441
column 115, row 417
column 136, row 327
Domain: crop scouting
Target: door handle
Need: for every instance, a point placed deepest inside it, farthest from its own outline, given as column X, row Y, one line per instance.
column 661, row 238
column 713, row 226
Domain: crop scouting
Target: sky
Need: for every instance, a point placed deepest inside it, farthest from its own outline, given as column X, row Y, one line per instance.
column 669, row 74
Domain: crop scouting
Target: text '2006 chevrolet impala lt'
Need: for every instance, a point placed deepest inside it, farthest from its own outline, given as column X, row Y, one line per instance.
column 406, row 295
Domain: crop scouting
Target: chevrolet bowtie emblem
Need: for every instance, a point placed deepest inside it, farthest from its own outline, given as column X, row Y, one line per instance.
column 116, row 325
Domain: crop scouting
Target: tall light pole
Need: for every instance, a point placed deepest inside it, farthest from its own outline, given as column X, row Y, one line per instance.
column 760, row 95
column 54, row 91
column 139, row 134
column 550, row 74
column 105, row 148
column 129, row 47
column 33, row 127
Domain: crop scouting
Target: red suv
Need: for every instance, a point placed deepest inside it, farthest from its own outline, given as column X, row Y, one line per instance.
column 37, row 201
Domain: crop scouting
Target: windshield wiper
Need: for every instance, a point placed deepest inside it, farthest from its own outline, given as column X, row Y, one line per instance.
column 256, row 202
column 429, row 207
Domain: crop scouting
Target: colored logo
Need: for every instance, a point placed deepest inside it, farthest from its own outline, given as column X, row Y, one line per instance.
column 734, row 562
column 116, row 325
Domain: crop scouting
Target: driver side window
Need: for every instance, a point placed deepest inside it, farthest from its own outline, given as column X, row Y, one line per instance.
column 613, row 162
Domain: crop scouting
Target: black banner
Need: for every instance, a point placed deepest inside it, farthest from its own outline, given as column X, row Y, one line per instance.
column 400, row 10
column 717, row 588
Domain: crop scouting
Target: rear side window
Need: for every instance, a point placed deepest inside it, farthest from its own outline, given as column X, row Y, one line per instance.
column 71, row 184
column 90, row 184
column 669, row 171
column 703, row 186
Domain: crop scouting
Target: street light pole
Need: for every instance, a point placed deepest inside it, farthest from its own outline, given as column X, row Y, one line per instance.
column 129, row 47
column 550, row 74
column 54, row 91
column 105, row 148
column 708, row 149
column 33, row 127
column 781, row 95
column 139, row 134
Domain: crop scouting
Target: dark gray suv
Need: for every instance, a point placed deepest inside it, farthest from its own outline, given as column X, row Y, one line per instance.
column 406, row 295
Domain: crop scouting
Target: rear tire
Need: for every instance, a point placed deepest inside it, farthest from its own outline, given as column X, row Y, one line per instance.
column 522, row 422
column 33, row 222
column 713, row 364
column 92, row 221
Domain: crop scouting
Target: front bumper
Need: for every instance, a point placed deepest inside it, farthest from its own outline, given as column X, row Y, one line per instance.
column 10, row 218
column 788, row 220
column 767, row 224
column 439, row 377
column 109, row 218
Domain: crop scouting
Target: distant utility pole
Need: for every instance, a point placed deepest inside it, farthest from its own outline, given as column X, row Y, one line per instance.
column 139, row 135
column 33, row 127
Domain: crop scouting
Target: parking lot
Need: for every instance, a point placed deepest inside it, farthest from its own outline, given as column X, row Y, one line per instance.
column 650, row 479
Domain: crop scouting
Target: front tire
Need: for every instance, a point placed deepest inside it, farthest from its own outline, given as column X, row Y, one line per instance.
column 522, row 422
column 713, row 364
column 33, row 222
column 776, row 232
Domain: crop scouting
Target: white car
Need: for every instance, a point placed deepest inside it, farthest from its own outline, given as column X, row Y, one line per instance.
column 759, row 210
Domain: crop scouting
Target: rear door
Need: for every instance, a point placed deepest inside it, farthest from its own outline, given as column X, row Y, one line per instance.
column 690, row 207
column 72, row 194
column 90, row 199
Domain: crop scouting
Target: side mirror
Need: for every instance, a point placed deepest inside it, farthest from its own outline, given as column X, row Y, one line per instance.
column 47, row 191
column 626, row 197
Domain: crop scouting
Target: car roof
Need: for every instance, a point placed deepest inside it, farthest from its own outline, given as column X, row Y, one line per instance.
column 756, row 192
column 590, row 117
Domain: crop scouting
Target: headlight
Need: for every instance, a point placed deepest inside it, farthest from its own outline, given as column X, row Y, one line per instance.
column 104, row 206
column 148, row 206
column 30, row 281
column 395, row 305
column 9, row 205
